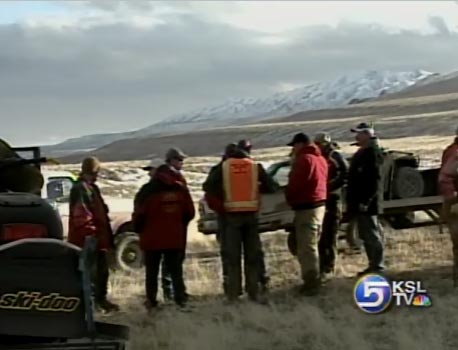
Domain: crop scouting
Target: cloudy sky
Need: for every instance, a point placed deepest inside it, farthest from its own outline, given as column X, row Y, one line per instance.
column 72, row 68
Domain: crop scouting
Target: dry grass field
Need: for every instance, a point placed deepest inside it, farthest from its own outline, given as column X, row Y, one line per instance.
column 329, row 321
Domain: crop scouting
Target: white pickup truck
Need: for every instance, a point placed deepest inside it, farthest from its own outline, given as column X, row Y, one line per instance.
column 408, row 189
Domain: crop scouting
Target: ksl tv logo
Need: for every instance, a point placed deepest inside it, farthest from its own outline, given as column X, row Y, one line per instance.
column 375, row 293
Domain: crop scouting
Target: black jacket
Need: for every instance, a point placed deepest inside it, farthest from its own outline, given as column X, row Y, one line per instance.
column 365, row 185
column 338, row 168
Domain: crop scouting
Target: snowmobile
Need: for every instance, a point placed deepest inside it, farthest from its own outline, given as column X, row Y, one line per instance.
column 45, row 285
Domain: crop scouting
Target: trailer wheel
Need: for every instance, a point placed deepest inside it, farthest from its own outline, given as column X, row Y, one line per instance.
column 129, row 256
column 408, row 183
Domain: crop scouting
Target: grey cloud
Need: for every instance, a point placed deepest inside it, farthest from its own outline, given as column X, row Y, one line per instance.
column 439, row 24
column 117, row 77
column 113, row 5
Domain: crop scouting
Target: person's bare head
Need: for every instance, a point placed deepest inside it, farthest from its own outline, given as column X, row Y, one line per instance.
column 90, row 168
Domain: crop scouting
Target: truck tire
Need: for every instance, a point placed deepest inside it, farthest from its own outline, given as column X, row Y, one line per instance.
column 129, row 256
column 408, row 183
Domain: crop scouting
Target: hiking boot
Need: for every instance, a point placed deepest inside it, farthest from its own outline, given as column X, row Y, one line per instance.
column 264, row 286
column 187, row 297
column 370, row 270
column 149, row 306
column 311, row 288
column 310, row 291
column 106, row 306
column 168, row 296
column 260, row 299
column 327, row 275
column 231, row 300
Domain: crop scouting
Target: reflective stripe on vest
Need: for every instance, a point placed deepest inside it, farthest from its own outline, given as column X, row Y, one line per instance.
column 240, row 183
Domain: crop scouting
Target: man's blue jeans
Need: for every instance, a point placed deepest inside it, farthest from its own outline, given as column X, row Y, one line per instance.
column 371, row 235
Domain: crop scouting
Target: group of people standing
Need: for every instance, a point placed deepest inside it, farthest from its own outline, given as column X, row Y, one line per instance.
column 314, row 192
column 163, row 209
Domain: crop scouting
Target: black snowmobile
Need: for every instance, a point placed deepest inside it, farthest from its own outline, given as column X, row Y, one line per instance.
column 45, row 287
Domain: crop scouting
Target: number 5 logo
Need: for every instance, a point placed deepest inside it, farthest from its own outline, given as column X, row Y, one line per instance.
column 372, row 293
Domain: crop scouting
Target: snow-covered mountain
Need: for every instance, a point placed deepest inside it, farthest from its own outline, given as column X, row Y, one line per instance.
column 322, row 95
column 329, row 94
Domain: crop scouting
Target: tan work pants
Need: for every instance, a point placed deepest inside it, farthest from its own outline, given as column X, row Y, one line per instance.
column 308, row 228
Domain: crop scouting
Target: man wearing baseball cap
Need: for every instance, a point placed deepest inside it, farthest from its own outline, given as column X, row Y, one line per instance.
column 365, row 194
column 215, row 202
column 238, row 182
column 306, row 193
column 160, row 237
column 174, row 158
column 337, row 175
column 166, row 278
column 246, row 146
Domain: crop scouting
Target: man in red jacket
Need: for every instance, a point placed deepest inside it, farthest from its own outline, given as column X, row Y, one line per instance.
column 164, row 210
column 306, row 193
column 166, row 278
column 89, row 217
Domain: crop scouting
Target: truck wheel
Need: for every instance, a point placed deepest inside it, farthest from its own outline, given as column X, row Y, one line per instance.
column 408, row 183
column 129, row 256
column 292, row 243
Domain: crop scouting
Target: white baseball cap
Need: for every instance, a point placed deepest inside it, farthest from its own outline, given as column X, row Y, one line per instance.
column 154, row 163
column 364, row 127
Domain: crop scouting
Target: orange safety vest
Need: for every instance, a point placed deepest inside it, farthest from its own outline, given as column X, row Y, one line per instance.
column 240, row 184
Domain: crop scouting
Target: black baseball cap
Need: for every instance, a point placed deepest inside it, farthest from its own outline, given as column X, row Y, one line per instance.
column 244, row 145
column 299, row 138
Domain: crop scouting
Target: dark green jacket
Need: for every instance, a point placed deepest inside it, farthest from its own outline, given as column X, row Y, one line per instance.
column 365, row 185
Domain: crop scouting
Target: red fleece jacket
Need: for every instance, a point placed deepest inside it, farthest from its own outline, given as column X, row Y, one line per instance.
column 307, row 185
